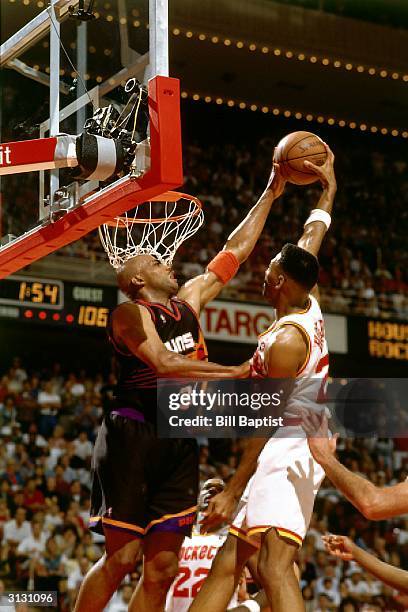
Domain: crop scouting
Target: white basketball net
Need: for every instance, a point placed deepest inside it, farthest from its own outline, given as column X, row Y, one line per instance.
column 157, row 228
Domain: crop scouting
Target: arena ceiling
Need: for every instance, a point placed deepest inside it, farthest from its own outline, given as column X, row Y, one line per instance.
column 234, row 74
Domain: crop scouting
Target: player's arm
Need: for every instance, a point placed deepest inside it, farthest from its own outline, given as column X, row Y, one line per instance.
column 318, row 222
column 134, row 328
column 284, row 358
column 344, row 548
column 240, row 244
column 375, row 503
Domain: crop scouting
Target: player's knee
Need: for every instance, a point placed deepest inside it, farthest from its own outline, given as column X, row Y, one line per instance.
column 125, row 559
column 271, row 571
column 275, row 560
column 161, row 571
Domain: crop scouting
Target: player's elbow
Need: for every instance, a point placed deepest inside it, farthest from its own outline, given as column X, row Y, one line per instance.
column 164, row 365
column 163, row 369
column 371, row 505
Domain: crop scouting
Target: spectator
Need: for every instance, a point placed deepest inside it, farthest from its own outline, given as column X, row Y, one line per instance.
column 34, row 544
column 17, row 528
column 53, row 517
column 49, row 567
column 33, row 498
column 50, row 403
column 8, row 413
column 356, row 585
column 82, row 450
column 120, row 602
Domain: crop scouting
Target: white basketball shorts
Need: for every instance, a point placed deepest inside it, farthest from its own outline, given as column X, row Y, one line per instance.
column 281, row 493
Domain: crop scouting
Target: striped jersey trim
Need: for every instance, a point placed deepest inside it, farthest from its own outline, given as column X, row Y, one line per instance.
column 270, row 329
column 167, row 517
column 115, row 524
column 111, row 523
column 308, row 342
column 242, row 535
column 282, row 532
column 305, row 310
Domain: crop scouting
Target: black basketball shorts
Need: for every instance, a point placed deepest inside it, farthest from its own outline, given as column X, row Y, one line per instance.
column 140, row 483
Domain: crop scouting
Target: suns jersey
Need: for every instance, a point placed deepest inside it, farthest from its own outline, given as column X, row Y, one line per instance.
column 179, row 329
column 195, row 559
column 309, row 389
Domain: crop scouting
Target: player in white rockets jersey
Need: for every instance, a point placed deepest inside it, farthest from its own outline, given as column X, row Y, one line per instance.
column 196, row 556
column 275, row 509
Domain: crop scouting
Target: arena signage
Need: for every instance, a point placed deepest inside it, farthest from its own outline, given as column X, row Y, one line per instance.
column 241, row 322
column 378, row 341
column 387, row 339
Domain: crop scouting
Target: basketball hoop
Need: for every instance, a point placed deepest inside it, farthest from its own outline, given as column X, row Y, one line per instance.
column 157, row 227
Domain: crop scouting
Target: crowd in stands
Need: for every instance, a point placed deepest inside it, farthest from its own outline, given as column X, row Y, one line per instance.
column 364, row 258
column 48, row 422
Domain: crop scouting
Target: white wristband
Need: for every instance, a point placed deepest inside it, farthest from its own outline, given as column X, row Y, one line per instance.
column 319, row 215
column 250, row 604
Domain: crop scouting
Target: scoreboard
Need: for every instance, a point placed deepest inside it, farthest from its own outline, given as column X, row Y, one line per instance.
column 57, row 303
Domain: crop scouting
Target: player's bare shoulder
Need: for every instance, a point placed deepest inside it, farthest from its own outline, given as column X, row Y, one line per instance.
column 290, row 338
column 130, row 315
column 287, row 352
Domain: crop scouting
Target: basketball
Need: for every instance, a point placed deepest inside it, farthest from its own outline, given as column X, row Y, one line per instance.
column 293, row 150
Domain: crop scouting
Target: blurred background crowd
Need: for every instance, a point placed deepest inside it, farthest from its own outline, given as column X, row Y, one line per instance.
column 48, row 422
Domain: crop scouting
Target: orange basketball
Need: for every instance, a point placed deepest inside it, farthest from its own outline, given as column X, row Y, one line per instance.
column 293, row 150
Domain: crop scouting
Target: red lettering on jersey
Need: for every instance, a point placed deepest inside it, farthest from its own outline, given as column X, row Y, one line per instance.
column 194, row 554
column 324, row 361
column 212, row 551
column 319, row 334
column 201, row 571
column 183, row 575
column 187, row 553
column 181, row 553
column 186, row 520
column 203, row 552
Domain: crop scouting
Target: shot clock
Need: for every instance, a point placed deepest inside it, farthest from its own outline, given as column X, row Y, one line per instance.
column 56, row 302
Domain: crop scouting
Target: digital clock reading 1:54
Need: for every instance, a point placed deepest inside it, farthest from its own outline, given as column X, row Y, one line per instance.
column 40, row 293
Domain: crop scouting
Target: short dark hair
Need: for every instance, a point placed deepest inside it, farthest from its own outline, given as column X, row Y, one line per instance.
column 300, row 265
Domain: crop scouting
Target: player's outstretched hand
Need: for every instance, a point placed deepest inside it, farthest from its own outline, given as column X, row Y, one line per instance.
column 316, row 427
column 220, row 510
column 326, row 172
column 276, row 182
column 339, row 546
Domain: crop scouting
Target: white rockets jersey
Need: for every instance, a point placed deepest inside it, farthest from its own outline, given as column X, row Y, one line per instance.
column 195, row 559
column 311, row 378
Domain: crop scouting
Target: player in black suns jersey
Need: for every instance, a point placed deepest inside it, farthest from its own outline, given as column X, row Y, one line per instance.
column 144, row 488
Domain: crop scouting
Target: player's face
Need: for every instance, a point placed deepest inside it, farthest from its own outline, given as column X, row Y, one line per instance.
column 210, row 488
column 157, row 275
column 273, row 281
column 163, row 277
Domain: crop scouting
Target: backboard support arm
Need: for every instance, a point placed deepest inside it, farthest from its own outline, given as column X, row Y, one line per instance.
column 165, row 174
